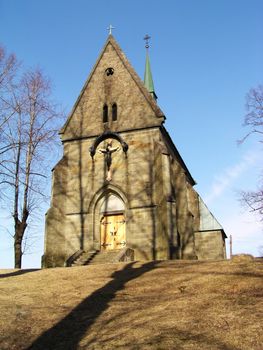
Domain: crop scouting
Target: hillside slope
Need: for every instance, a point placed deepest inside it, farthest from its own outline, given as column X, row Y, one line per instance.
column 146, row 305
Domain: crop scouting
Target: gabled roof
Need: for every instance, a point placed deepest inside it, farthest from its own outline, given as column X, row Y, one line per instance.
column 134, row 75
column 207, row 220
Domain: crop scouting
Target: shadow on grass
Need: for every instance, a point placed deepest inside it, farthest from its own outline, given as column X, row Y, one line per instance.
column 170, row 338
column 17, row 273
column 68, row 332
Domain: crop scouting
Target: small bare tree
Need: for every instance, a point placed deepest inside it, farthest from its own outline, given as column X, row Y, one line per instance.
column 28, row 137
column 254, row 121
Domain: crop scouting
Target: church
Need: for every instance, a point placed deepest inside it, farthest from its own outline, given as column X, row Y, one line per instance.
column 122, row 191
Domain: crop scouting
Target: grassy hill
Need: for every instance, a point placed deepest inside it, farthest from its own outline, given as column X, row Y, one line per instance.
column 147, row 305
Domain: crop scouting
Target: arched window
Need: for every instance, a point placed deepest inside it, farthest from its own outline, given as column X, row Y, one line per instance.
column 105, row 113
column 114, row 112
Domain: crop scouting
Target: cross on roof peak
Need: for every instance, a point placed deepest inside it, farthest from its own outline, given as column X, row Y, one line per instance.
column 110, row 29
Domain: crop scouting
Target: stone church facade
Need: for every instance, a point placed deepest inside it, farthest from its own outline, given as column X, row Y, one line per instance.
column 121, row 182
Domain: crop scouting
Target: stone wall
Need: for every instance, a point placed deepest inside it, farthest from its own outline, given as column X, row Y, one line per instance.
column 136, row 108
column 210, row 245
column 161, row 208
column 150, row 182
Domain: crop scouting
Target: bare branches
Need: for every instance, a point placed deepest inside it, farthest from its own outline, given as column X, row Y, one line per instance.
column 28, row 127
column 253, row 200
column 8, row 68
column 254, row 121
column 254, row 118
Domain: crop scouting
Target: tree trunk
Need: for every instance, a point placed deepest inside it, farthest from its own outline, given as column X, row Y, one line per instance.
column 20, row 228
column 18, row 252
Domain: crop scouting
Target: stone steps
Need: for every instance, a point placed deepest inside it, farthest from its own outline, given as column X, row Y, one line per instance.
column 97, row 257
column 106, row 257
column 85, row 258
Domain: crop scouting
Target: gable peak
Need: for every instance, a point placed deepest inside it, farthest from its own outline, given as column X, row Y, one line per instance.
column 120, row 56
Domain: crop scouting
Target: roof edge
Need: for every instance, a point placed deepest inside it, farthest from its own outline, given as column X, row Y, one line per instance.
column 177, row 154
column 134, row 75
column 62, row 130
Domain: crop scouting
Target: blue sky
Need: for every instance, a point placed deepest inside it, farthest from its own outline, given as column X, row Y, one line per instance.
column 205, row 56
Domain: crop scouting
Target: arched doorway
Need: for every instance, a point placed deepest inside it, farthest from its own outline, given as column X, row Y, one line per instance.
column 112, row 223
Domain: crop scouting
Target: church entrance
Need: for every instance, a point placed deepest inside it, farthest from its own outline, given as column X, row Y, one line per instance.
column 112, row 223
column 112, row 232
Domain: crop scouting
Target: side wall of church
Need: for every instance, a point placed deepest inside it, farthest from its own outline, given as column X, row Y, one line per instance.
column 210, row 245
column 184, row 203
column 55, row 244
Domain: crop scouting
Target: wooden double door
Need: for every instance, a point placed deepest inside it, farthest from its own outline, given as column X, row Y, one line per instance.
column 112, row 232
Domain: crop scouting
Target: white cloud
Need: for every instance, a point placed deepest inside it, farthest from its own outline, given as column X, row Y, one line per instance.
column 244, row 226
column 229, row 175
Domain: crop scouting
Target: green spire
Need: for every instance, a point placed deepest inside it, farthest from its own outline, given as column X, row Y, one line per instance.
column 148, row 79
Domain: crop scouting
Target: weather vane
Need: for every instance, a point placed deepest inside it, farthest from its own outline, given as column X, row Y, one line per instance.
column 110, row 29
column 147, row 38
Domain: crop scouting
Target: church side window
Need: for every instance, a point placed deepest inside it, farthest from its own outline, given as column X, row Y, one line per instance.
column 105, row 113
column 114, row 112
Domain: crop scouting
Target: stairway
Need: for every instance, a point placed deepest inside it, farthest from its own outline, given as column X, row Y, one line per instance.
column 84, row 258
column 103, row 257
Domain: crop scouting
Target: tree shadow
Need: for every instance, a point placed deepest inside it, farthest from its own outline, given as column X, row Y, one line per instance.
column 68, row 332
column 17, row 273
column 170, row 338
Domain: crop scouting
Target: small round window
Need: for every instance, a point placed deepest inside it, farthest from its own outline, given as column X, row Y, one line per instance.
column 109, row 71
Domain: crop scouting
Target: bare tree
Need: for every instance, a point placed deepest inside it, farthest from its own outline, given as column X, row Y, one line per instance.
column 254, row 117
column 254, row 121
column 27, row 138
column 254, row 200
column 8, row 71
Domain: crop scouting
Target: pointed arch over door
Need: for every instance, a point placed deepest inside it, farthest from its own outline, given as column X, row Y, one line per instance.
column 109, row 207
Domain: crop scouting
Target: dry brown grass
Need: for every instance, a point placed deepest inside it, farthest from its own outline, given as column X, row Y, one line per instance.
column 147, row 305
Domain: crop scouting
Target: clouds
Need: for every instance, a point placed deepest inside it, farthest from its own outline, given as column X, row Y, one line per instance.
column 243, row 225
column 226, row 179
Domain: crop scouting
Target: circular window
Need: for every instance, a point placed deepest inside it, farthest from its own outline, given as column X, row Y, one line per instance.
column 109, row 71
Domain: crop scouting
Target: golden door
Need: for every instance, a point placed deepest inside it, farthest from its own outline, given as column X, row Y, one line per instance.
column 112, row 232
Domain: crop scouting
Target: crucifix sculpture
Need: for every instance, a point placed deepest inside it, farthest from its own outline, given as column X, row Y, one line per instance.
column 108, row 159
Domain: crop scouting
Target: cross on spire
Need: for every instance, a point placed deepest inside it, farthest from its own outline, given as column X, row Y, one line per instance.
column 147, row 38
column 110, row 29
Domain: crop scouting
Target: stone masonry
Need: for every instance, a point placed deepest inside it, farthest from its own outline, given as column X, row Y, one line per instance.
column 142, row 178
